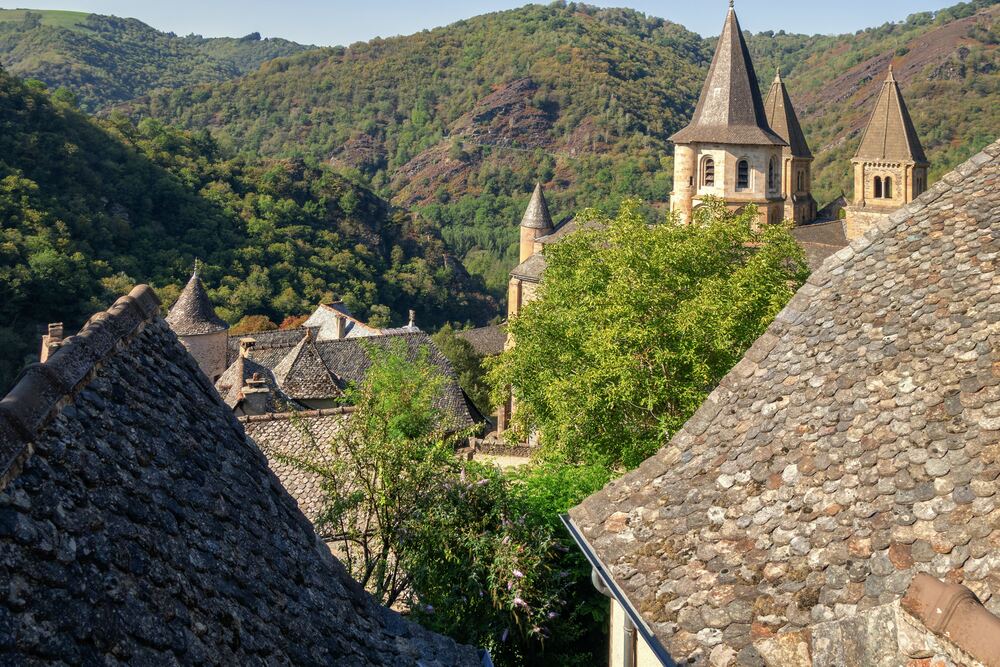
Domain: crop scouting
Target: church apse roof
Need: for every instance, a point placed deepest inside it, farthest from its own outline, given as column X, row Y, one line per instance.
column 730, row 109
column 193, row 313
column 856, row 444
column 890, row 135
column 139, row 525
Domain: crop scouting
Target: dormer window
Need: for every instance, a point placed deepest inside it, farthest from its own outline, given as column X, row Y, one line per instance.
column 742, row 175
column 708, row 173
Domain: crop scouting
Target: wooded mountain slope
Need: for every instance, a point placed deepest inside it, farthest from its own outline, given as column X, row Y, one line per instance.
column 88, row 209
column 459, row 122
column 105, row 59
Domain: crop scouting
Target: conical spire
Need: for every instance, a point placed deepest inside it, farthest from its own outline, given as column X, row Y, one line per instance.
column 782, row 119
column 890, row 134
column 302, row 373
column 193, row 313
column 730, row 110
column 536, row 216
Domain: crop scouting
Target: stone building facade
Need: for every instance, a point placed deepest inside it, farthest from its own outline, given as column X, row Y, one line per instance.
column 890, row 167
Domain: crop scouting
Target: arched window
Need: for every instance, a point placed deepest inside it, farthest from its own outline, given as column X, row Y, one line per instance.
column 708, row 173
column 878, row 187
column 802, row 181
column 770, row 174
column 887, row 188
column 742, row 175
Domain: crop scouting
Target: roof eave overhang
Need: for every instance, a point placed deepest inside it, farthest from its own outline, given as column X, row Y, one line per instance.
column 652, row 642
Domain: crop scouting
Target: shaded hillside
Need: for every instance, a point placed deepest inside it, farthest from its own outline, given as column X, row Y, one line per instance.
column 948, row 67
column 105, row 59
column 89, row 209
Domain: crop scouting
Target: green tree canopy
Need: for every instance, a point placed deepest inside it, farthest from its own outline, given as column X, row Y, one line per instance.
column 636, row 323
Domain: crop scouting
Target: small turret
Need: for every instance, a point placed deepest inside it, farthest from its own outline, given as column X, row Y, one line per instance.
column 796, row 158
column 536, row 223
column 200, row 330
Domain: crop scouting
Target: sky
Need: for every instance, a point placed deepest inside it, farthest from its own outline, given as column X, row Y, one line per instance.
column 339, row 22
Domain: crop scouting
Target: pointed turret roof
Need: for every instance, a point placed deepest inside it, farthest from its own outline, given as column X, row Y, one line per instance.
column 536, row 216
column 890, row 134
column 193, row 313
column 303, row 374
column 730, row 110
column 782, row 120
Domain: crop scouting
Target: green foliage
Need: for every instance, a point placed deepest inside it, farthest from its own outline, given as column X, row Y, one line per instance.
column 467, row 365
column 636, row 323
column 105, row 59
column 89, row 207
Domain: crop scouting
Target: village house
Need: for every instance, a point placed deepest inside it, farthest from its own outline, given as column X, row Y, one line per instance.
column 140, row 525
column 836, row 500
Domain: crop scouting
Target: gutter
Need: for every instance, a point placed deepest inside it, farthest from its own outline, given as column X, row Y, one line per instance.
column 611, row 590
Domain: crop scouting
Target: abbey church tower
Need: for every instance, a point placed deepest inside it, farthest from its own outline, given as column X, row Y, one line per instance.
column 890, row 167
column 796, row 158
column 729, row 150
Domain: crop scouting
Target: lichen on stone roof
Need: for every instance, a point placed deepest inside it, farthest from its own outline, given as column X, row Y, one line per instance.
column 193, row 313
column 138, row 525
column 856, row 444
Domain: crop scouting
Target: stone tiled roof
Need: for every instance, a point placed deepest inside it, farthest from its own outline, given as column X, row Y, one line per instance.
column 820, row 240
column 856, row 444
column 193, row 313
column 530, row 269
column 890, row 135
column 230, row 384
column 302, row 374
column 266, row 340
column 290, row 439
column 730, row 109
column 138, row 525
column 782, row 119
column 486, row 341
column 536, row 216
column 347, row 361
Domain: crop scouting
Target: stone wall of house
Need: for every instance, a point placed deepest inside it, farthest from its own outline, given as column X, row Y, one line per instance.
column 209, row 350
column 860, row 220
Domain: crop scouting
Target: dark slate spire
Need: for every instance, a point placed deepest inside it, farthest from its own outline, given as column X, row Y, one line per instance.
column 193, row 313
column 536, row 216
column 782, row 120
column 890, row 134
column 730, row 110
column 303, row 374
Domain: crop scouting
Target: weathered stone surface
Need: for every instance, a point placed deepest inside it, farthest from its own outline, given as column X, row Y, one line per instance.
column 146, row 529
column 850, row 452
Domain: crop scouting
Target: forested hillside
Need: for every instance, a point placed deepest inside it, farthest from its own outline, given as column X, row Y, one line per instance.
column 89, row 208
column 458, row 122
column 104, row 59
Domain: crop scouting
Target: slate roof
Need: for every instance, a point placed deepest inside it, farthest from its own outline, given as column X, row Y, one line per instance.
column 856, row 444
column 302, row 374
column 820, row 240
column 730, row 109
column 890, row 135
column 230, row 384
column 193, row 313
column 530, row 269
column 486, row 341
column 782, row 119
column 138, row 525
column 347, row 361
column 293, row 437
column 536, row 216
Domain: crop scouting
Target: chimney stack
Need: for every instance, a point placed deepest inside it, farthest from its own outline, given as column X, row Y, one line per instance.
column 413, row 319
column 51, row 340
column 255, row 394
column 340, row 327
column 246, row 344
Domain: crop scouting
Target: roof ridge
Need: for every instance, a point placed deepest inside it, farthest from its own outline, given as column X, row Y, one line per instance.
column 279, row 416
column 42, row 390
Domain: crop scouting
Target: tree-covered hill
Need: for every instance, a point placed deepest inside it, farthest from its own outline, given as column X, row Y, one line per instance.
column 459, row 122
column 104, row 59
column 89, row 208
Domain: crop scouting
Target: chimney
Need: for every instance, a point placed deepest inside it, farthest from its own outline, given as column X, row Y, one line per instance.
column 246, row 344
column 340, row 327
column 51, row 340
column 413, row 319
column 255, row 394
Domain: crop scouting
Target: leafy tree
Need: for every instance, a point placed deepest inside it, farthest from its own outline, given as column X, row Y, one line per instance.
column 467, row 364
column 252, row 323
column 635, row 324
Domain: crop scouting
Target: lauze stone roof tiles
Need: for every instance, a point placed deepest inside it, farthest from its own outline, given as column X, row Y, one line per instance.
column 855, row 445
column 138, row 525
